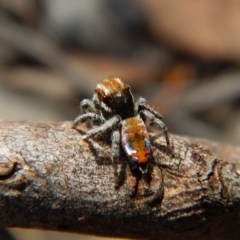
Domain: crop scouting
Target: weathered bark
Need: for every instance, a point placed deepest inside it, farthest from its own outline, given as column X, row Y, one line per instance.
column 51, row 179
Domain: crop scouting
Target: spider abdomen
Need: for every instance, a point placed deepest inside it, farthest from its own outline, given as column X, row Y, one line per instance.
column 135, row 140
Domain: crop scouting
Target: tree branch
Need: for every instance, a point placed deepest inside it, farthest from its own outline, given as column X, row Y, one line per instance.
column 51, row 179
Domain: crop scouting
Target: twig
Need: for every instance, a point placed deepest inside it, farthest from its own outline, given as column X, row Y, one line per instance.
column 49, row 178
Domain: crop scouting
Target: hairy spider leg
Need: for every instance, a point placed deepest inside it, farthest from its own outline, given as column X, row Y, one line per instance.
column 108, row 125
column 115, row 145
column 87, row 105
column 119, row 174
column 159, row 123
column 141, row 104
column 88, row 116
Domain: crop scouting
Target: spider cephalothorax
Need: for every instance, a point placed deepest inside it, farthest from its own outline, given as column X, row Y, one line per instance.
column 115, row 98
column 112, row 109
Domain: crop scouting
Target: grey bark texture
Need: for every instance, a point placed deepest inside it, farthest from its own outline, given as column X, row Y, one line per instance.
column 51, row 179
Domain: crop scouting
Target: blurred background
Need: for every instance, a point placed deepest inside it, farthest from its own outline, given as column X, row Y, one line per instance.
column 181, row 55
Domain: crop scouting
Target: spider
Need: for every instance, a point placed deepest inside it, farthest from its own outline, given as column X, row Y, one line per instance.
column 112, row 109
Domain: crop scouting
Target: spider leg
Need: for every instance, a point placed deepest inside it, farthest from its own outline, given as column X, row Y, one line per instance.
column 141, row 104
column 87, row 105
column 88, row 116
column 115, row 149
column 159, row 123
column 119, row 174
column 90, row 105
column 110, row 124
